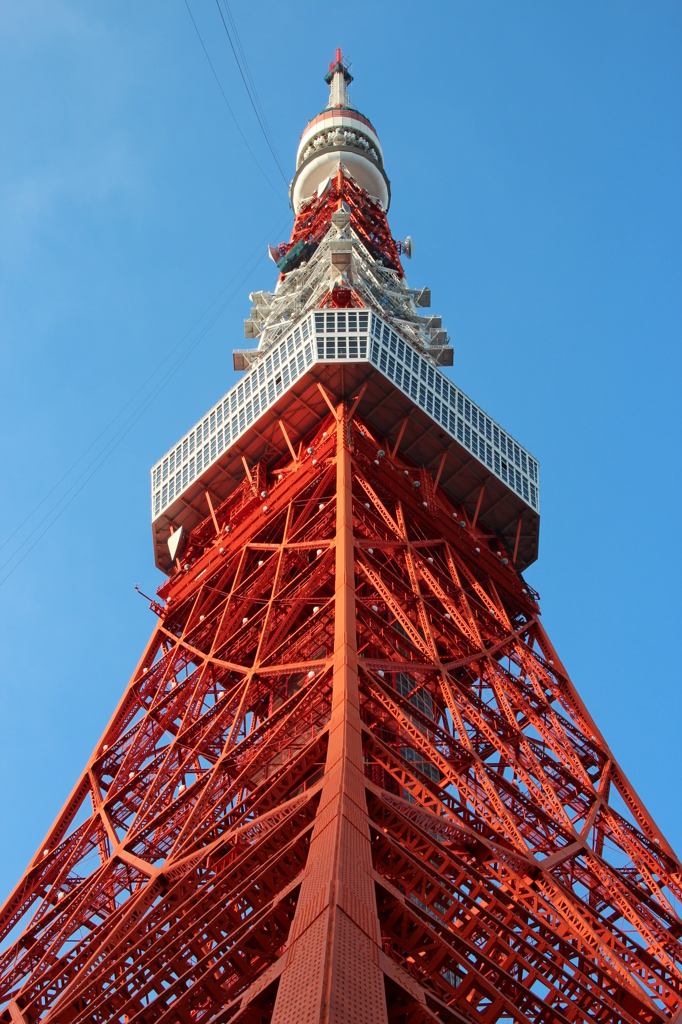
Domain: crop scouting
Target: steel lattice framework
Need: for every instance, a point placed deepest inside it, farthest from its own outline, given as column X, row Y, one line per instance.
column 349, row 780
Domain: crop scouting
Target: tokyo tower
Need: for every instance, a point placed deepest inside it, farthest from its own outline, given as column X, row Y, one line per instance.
column 350, row 779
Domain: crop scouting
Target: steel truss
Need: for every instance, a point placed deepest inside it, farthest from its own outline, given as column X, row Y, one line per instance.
column 379, row 280
column 349, row 779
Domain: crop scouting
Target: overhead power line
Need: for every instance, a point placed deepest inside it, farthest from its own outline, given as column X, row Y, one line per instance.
column 227, row 104
column 247, row 69
column 250, row 86
column 103, row 452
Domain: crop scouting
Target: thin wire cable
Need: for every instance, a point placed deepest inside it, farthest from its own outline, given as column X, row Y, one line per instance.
column 248, row 91
column 130, row 422
column 130, row 400
column 227, row 103
column 250, row 85
column 111, row 446
column 245, row 63
column 112, row 421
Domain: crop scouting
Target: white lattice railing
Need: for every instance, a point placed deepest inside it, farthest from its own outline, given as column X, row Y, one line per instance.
column 343, row 336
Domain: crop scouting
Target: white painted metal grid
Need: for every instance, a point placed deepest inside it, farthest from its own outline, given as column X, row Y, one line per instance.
column 340, row 336
column 449, row 406
column 234, row 413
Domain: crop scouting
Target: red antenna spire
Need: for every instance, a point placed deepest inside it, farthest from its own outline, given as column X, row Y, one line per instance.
column 337, row 63
column 337, row 66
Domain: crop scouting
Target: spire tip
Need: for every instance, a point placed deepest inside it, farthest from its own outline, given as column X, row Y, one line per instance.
column 338, row 78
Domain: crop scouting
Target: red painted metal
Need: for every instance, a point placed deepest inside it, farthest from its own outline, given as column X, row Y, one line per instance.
column 338, row 64
column 340, row 297
column 367, row 217
column 349, row 780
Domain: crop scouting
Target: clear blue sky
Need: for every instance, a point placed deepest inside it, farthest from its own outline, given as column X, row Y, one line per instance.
column 535, row 156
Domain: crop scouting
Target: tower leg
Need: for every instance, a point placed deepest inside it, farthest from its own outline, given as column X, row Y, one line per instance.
column 332, row 971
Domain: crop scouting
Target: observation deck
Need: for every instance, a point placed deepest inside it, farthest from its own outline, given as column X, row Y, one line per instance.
column 407, row 400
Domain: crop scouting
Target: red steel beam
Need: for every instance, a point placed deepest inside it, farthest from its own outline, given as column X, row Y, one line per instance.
column 350, row 778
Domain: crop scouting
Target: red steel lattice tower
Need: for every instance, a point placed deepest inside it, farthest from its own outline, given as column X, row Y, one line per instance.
column 350, row 778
